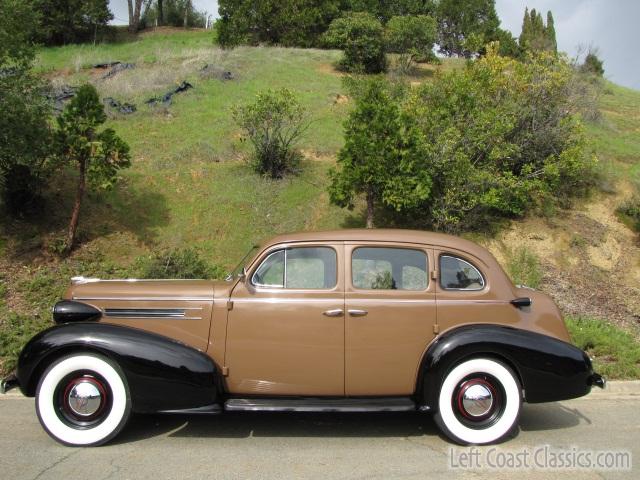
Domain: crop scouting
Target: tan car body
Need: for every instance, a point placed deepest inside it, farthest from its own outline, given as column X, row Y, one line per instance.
column 280, row 342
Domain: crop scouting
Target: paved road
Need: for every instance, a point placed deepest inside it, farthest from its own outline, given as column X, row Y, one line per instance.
column 269, row 445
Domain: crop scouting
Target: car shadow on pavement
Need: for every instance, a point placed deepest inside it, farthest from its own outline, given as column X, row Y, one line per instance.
column 550, row 416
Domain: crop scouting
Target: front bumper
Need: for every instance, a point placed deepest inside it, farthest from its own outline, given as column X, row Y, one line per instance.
column 9, row 383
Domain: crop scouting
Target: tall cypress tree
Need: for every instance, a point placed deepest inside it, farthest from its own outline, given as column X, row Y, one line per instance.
column 525, row 35
column 551, row 32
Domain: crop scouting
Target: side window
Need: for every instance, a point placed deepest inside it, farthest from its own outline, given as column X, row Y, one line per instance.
column 303, row 268
column 458, row 274
column 379, row 268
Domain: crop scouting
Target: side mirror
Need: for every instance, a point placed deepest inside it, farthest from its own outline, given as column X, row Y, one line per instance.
column 243, row 274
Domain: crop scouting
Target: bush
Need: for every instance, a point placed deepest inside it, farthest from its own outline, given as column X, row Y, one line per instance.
column 274, row 123
column 361, row 36
column 177, row 263
column 629, row 213
column 412, row 37
column 500, row 138
column 524, row 268
column 593, row 65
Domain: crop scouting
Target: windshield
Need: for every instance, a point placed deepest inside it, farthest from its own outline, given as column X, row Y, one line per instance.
column 240, row 267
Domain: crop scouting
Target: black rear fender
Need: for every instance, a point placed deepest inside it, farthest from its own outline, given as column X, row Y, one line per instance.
column 548, row 369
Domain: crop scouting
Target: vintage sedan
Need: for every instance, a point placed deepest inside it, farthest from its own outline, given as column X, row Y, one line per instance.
column 348, row 321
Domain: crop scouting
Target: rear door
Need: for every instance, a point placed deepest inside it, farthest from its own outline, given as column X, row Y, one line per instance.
column 390, row 316
column 285, row 333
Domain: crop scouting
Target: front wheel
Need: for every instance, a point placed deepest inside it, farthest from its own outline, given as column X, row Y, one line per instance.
column 479, row 402
column 83, row 400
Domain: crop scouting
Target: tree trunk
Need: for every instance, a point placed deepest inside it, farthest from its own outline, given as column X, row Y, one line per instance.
column 75, row 215
column 134, row 14
column 160, row 13
column 369, row 210
column 187, row 6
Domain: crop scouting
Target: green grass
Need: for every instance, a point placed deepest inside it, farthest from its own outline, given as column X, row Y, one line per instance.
column 615, row 353
column 524, row 267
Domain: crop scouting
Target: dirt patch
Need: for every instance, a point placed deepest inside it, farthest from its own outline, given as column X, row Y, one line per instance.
column 590, row 260
column 329, row 69
column 340, row 99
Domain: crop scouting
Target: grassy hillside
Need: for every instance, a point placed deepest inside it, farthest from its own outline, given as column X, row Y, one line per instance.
column 189, row 185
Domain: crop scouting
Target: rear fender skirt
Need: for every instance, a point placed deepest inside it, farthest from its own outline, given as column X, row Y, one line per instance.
column 549, row 369
column 162, row 374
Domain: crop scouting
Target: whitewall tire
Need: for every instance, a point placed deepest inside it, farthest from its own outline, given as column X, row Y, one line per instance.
column 479, row 402
column 83, row 400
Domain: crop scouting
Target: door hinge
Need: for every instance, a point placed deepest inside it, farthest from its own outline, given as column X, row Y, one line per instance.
column 229, row 305
column 434, row 275
column 225, row 371
column 436, row 329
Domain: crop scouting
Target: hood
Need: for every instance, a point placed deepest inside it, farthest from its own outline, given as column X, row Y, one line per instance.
column 96, row 289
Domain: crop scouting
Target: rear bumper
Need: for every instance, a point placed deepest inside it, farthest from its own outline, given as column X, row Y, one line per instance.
column 9, row 383
column 597, row 380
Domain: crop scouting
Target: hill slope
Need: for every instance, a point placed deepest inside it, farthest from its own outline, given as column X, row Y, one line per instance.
column 189, row 184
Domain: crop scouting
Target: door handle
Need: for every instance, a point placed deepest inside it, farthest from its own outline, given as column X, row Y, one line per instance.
column 357, row 313
column 333, row 313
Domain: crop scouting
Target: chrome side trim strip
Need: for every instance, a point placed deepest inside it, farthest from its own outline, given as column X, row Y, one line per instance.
column 148, row 299
column 149, row 313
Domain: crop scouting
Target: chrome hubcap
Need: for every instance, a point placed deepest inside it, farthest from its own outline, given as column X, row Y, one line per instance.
column 84, row 398
column 477, row 400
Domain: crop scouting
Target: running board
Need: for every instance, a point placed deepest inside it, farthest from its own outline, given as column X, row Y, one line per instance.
column 390, row 404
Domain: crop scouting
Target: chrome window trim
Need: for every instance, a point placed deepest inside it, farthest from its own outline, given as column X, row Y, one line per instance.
column 484, row 282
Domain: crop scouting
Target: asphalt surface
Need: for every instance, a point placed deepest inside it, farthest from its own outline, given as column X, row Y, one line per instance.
column 328, row 445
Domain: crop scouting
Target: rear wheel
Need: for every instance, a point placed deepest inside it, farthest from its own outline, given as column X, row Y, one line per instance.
column 83, row 400
column 479, row 402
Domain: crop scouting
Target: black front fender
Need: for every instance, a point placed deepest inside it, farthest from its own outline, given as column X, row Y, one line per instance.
column 549, row 369
column 162, row 374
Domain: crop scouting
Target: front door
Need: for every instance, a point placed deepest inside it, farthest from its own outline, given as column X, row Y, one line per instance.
column 390, row 317
column 285, row 330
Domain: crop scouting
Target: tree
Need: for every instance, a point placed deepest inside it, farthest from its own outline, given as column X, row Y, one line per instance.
column 551, row 33
column 98, row 155
column 465, row 26
column 24, row 110
column 361, row 36
column 281, row 22
column 386, row 9
column 135, row 12
column 68, row 21
column 412, row 37
column 535, row 35
column 274, row 123
column 379, row 158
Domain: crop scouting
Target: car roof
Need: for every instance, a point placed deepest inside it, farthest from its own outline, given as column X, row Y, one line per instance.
column 390, row 235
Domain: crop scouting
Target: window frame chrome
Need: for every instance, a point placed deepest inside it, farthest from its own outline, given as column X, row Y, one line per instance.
column 468, row 262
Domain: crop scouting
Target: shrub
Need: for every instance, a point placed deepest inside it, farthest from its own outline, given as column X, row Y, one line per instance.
column 361, row 36
column 184, row 263
column 274, row 123
column 412, row 37
column 524, row 267
column 593, row 65
column 500, row 138
column 629, row 213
